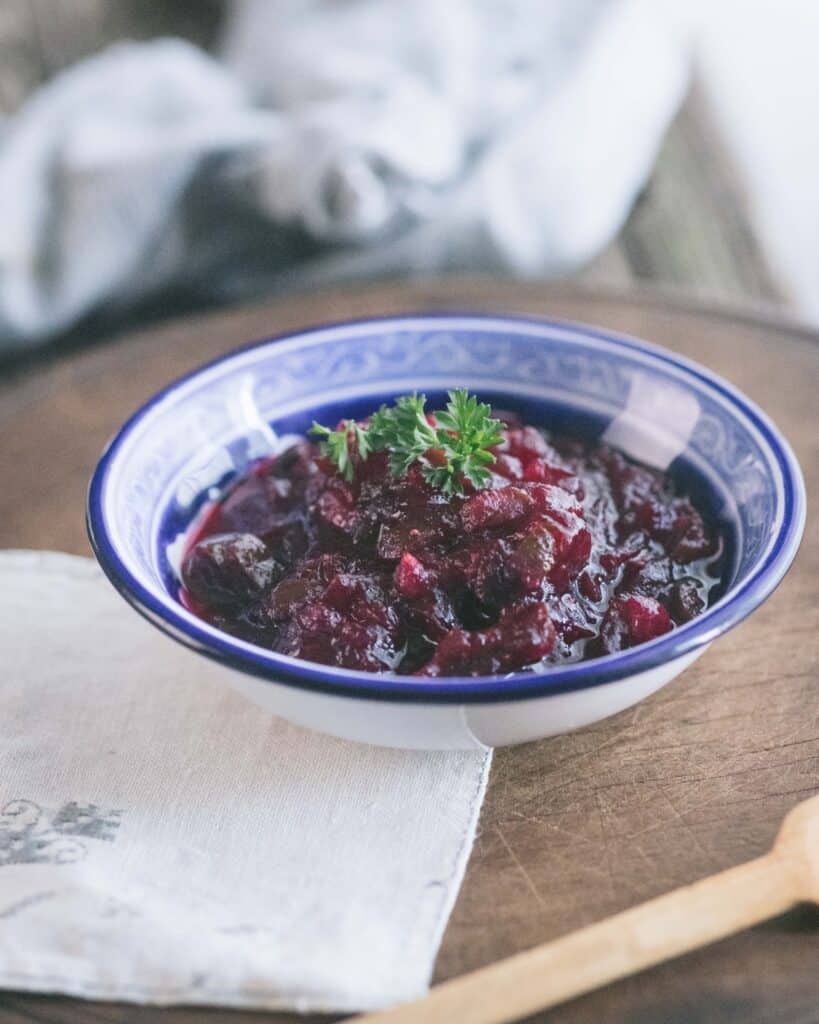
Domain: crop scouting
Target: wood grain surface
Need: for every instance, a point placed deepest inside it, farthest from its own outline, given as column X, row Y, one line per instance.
column 693, row 780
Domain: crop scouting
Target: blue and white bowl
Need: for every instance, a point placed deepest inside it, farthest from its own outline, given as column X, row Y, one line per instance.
column 174, row 453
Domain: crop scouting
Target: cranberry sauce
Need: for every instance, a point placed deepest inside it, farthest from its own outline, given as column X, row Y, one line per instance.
column 572, row 552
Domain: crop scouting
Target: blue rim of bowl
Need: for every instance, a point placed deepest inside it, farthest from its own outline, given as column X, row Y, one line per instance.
column 169, row 615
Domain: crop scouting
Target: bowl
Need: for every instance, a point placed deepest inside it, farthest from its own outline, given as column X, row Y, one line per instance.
column 174, row 454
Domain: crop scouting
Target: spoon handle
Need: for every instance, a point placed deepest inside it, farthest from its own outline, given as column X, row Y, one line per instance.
column 616, row 947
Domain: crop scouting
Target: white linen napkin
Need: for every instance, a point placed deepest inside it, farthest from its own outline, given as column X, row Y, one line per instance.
column 332, row 141
column 164, row 841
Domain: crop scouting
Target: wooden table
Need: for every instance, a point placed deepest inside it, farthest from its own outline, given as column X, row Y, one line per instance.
column 693, row 780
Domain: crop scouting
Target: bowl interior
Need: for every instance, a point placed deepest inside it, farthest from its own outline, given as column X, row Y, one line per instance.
column 179, row 450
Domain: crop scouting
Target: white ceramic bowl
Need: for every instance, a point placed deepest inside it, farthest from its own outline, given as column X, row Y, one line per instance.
column 202, row 431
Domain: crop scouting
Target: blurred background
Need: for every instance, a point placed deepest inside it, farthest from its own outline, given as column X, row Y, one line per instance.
column 158, row 158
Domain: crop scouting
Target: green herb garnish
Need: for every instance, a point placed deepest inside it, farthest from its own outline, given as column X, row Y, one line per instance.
column 466, row 431
column 403, row 431
column 455, row 449
column 335, row 444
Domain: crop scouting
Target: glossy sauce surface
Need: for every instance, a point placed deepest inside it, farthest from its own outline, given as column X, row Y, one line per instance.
column 573, row 552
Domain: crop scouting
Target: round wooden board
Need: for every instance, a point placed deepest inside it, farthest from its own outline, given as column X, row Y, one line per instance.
column 693, row 780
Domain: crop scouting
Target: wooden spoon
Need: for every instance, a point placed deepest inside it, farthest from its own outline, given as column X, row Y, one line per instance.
column 658, row 930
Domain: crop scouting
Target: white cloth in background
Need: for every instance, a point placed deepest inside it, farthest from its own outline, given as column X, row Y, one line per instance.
column 162, row 840
column 334, row 141
column 764, row 123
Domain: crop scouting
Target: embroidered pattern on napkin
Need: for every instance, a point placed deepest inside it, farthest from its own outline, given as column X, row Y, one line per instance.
column 30, row 834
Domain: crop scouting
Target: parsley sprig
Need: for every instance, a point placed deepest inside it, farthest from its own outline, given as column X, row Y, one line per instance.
column 454, row 449
column 335, row 444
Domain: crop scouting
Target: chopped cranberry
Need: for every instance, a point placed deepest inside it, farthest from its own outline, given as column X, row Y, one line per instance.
column 288, row 595
column 228, row 569
column 536, row 471
column 563, row 518
column 254, row 507
column 686, row 601
column 534, row 557
column 693, row 541
column 571, row 618
column 590, row 587
column 633, row 619
column 523, row 635
column 296, row 462
column 508, row 466
column 336, row 512
column 555, row 502
column 495, row 508
column 570, row 552
column 411, row 579
column 425, row 621
column 527, row 441
column 410, row 534
column 648, row 575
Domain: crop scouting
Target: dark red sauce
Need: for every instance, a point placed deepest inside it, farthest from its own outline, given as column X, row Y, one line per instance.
column 573, row 552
